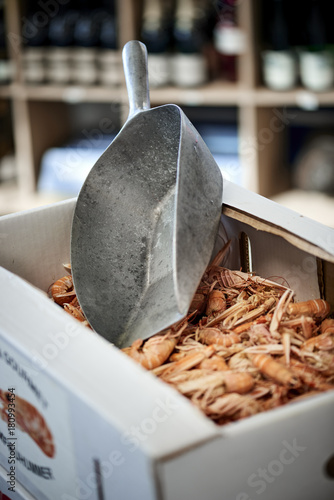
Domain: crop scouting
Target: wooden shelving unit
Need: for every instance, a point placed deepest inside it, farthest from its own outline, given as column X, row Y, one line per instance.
column 40, row 112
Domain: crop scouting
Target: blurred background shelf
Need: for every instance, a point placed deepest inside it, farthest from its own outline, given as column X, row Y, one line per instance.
column 258, row 133
column 70, row 93
column 215, row 93
column 296, row 97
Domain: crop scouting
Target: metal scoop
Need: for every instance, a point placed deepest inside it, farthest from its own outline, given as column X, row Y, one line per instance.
column 146, row 218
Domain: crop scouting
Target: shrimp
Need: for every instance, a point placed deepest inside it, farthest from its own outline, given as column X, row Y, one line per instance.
column 255, row 313
column 214, row 270
column 29, row 420
column 280, row 310
column 233, row 406
column 77, row 313
column 274, row 370
column 310, row 376
column 240, row 382
column 243, row 311
column 176, row 356
column 233, row 313
column 234, row 279
column 154, row 352
column 258, row 334
column 214, row 363
column 189, row 361
column 215, row 336
column 327, row 326
column 305, row 324
column 68, row 267
column 216, row 303
column 198, row 303
column 227, row 381
column 323, row 342
column 241, row 363
column 207, row 381
column 317, row 308
column 244, row 327
column 62, row 290
column 278, row 396
column 157, row 349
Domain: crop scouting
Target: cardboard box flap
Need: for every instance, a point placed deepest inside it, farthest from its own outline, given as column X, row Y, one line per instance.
column 35, row 245
column 145, row 410
column 267, row 215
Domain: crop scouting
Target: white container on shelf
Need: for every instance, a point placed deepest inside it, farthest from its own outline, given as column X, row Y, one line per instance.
column 279, row 69
column 33, row 64
column 188, row 70
column 84, row 68
column 6, row 71
column 316, row 70
column 58, row 65
column 159, row 69
column 110, row 69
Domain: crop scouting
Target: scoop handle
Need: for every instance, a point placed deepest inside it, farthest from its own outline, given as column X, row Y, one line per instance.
column 134, row 57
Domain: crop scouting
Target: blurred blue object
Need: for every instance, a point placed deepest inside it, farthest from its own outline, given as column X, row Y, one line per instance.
column 222, row 139
column 64, row 169
column 223, row 142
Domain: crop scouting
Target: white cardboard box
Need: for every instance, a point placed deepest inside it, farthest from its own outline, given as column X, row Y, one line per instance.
column 119, row 432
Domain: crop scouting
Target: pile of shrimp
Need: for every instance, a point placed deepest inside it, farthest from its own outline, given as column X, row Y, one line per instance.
column 245, row 346
column 63, row 293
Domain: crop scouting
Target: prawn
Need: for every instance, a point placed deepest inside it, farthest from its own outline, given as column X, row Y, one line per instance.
column 244, row 327
column 327, row 326
column 29, row 420
column 189, row 361
column 215, row 336
column 62, row 290
column 310, row 376
column 323, row 342
column 214, row 363
column 216, row 303
column 233, row 406
column 280, row 310
column 156, row 350
column 226, row 381
column 77, row 313
column 198, row 303
column 274, row 370
column 317, row 308
column 240, row 382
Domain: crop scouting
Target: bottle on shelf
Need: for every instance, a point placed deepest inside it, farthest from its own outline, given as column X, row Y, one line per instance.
column 61, row 39
column 8, row 171
column 109, row 63
column 228, row 39
column 86, row 40
column 189, row 67
column 5, row 65
column 156, row 34
column 316, row 59
column 34, row 35
column 279, row 62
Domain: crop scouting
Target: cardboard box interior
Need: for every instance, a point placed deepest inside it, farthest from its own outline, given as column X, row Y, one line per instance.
column 166, row 446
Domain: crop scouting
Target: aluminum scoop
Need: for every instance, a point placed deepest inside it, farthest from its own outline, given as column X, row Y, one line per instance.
column 146, row 218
